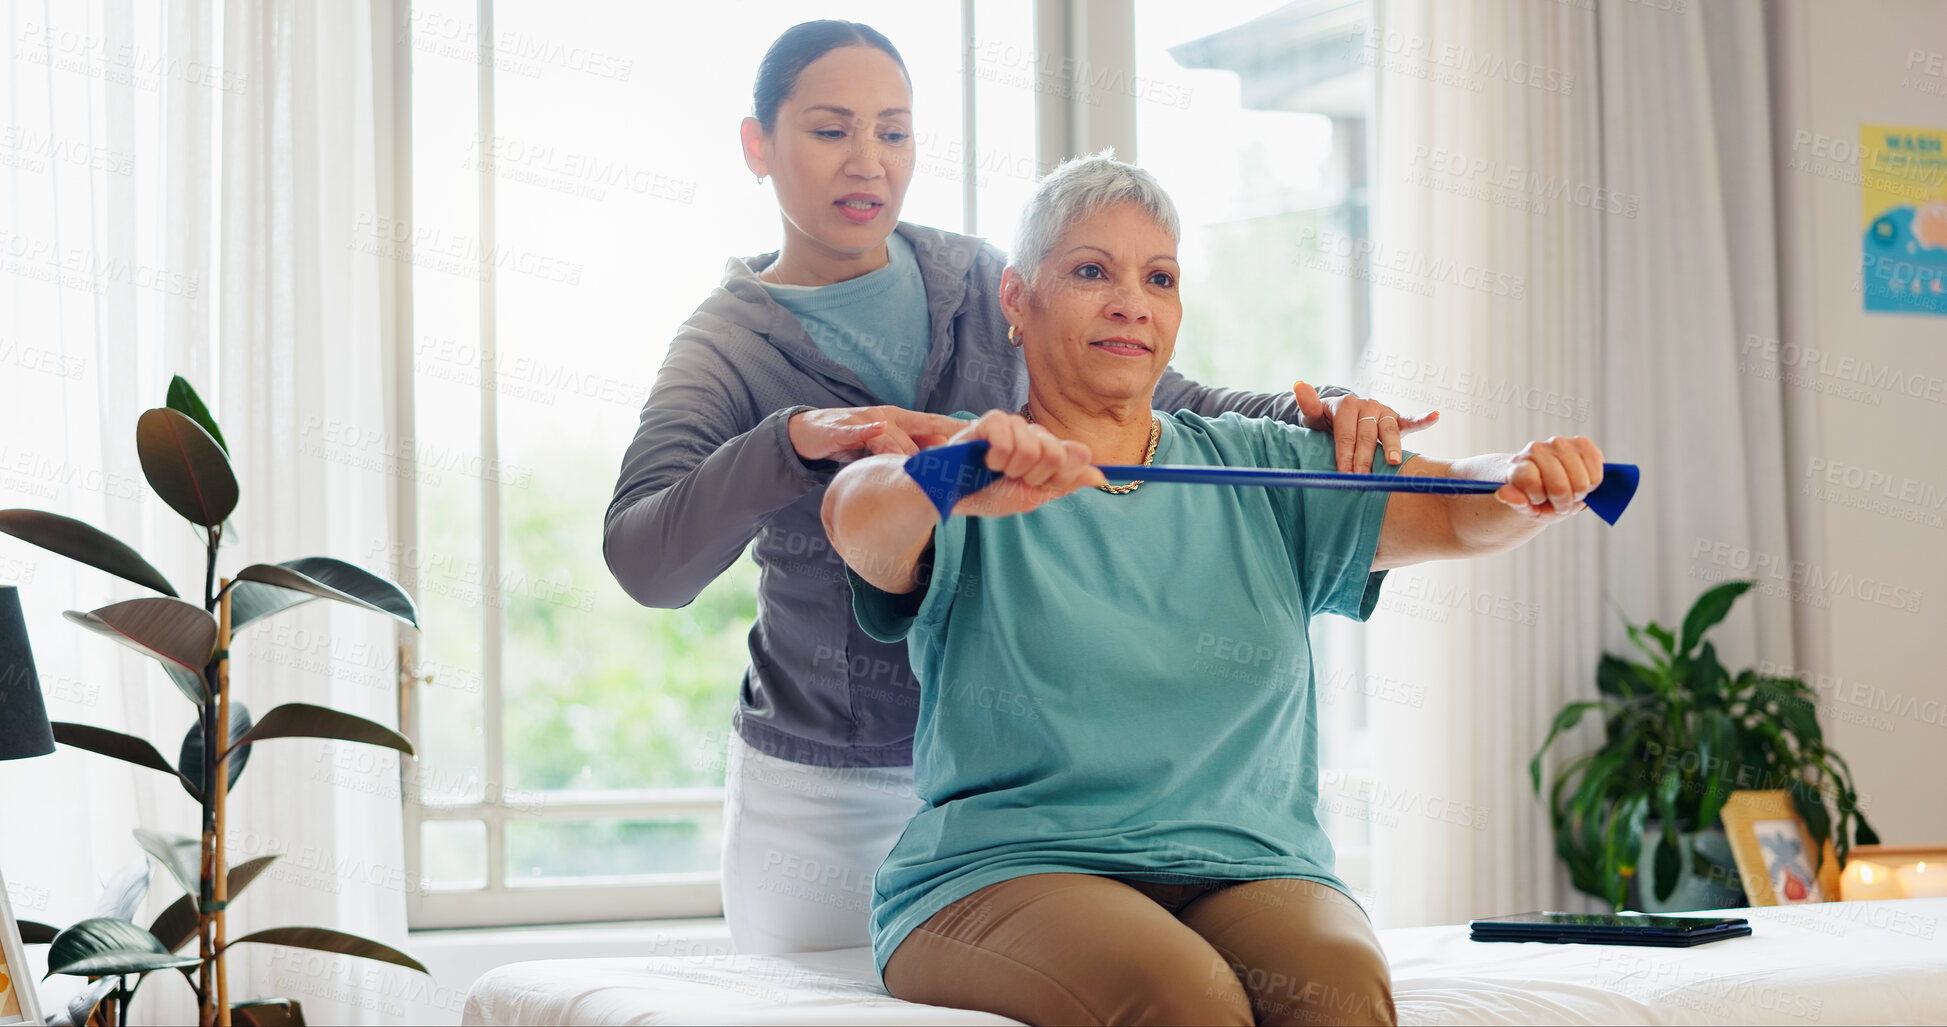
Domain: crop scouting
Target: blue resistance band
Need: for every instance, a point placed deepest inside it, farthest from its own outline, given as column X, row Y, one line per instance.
column 948, row 474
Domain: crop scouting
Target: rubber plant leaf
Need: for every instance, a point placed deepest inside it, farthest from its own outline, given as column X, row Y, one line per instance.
column 268, row 1012
column 126, row 748
column 323, row 939
column 181, row 856
column 266, row 588
column 183, row 397
column 176, row 926
column 33, row 932
column 104, row 946
column 190, row 763
column 79, row 540
column 82, row 1007
column 122, row 894
column 190, row 683
column 169, row 630
column 185, row 466
column 303, row 720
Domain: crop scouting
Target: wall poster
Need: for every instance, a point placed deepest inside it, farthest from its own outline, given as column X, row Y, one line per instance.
column 1903, row 194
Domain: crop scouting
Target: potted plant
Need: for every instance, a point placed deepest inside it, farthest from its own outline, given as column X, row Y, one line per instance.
column 186, row 461
column 1680, row 734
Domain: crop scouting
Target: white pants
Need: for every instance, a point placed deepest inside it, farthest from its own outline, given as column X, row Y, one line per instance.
column 800, row 846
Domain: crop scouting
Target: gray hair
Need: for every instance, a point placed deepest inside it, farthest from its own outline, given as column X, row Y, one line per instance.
column 1077, row 188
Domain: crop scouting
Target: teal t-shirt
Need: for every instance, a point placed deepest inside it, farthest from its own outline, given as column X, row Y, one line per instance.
column 1122, row 685
column 875, row 324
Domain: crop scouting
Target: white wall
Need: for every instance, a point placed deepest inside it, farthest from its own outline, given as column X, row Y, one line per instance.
column 1885, row 700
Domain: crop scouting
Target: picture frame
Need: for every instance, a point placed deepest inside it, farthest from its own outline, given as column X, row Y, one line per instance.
column 1773, row 851
column 18, row 1002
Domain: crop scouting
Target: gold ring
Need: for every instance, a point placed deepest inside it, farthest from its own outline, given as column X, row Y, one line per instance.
column 1368, row 417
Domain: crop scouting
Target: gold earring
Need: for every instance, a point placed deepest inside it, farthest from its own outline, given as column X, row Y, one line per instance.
column 1013, row 339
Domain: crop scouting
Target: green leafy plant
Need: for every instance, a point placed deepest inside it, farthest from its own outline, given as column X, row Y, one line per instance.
column 1680, row 734
column 114, row 914
column 186, row 461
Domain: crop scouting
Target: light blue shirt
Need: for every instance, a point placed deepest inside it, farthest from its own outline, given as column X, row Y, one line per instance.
column 1122, row 685
column 875, row 324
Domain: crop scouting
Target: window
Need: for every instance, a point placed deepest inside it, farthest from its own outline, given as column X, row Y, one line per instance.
column 1252, row 114
column 576, row 186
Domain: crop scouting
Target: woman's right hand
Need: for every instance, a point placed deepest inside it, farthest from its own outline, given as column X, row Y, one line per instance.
column 1036, row 466
column 850, row 433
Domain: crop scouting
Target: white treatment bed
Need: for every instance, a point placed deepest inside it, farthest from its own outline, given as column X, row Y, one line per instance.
column 1848, row 962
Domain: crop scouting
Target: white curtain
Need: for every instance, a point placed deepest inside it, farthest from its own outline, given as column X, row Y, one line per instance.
column 182, row 187
column 1575, row 229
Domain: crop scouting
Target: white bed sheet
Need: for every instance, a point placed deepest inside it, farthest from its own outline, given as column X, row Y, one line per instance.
column 1842, row 962
column 1855, row 962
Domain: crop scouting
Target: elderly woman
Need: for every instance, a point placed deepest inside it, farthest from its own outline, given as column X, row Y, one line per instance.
column 1111, row 831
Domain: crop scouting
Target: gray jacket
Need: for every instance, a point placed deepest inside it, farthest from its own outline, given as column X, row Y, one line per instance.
column 712, row 468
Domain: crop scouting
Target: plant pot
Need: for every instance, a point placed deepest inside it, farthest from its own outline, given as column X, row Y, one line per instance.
column 1719, row 889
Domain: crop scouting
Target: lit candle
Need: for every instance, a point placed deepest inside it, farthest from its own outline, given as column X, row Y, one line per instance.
column 1924, row 881
column 1866, row 880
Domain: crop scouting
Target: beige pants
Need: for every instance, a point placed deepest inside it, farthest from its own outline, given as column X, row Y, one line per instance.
column 1080, row 949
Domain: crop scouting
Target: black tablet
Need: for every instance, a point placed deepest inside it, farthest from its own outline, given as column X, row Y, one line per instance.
column 1609, row 929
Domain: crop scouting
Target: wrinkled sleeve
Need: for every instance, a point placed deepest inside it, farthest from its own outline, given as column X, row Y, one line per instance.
column 698, row 480
column 889, row 617
column 1175, row 392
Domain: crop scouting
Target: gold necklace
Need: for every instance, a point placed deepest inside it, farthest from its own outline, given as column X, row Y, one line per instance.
column 1149, row 455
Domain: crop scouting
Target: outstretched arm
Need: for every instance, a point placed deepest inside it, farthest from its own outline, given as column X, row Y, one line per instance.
column 1545, row 483
column 881, row 523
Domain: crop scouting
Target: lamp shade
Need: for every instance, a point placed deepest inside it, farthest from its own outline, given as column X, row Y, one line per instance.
column 23, row 717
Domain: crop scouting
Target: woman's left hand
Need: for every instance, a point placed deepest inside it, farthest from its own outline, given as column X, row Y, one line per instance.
column 1357, row 425
column 1547, row 480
